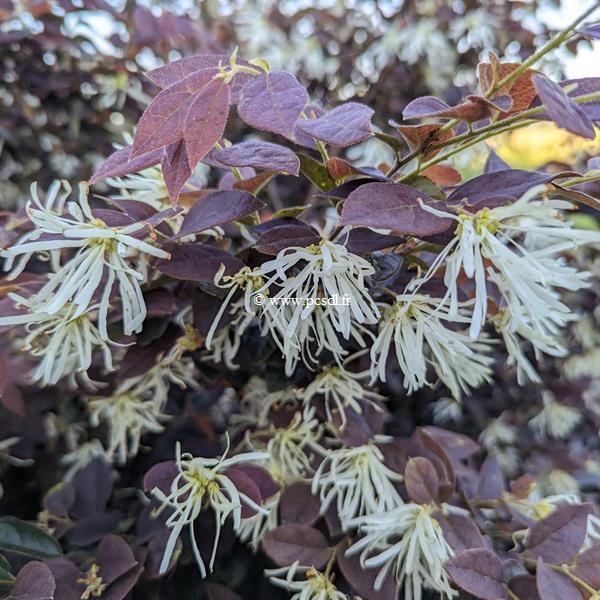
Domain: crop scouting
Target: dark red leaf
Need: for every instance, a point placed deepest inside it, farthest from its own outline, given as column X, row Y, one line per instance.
column 290, row 543
column 219, row 208
column 560, row 535
column 364, row 241
column 119, row 164
column 284, row 236
column 176, row 169
column 260, row 155
column 298, row 505
column 245, row 484
column 273, row 102
column 479, row 572
column 421, row 480
column 343, row 126
column 197, row 262
column 554, row 586
column 392, row 206
column 205, row 120
column 163, row 121
column 562, row 110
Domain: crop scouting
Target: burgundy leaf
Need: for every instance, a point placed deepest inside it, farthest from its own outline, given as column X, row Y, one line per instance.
column 119, row 164
column 114, row 557
column 163, row 121
column 260, row 155
column 560, row 535
column 205, row 120
column 284, row 236
column 343, row 126
column 34, row 582
column 93, row 487
column 507, row 184
column 587, row 566
column 65, row 575
column 273, row 102
column 479, row 572
column 364, row 241
column 288, row 543
column 554, row 586
column 219, row 208
column 161, row 476
column 176, row 169
column 363, row 580
column 524, row 586
column 490, row 483
column 562, row 110
column 261, row 478
column 421, row 480
column 423, row 107
column 197, row 262
column 298, row 505
column 177, row 70
column 244, row 484
column 393, row 206
column 460, row 532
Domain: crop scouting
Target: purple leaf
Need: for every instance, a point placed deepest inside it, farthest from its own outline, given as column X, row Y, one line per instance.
column 205, row 120
column 364, row 241
column 244, row 484
column 177, row 70
column 115, row 558
column 524, row 586
column 219, row 208
column 284, row 236
column 460, row 532
column 423, row 107
column 490, row 483
column 119, row 164
column 197, row 262
column 479, row 572
column 494, row 163
column 260, row 155
column 66, row 575
column 92, row 528
column 392, row 206
column 93, row 487
column 288, row 543
column 261, row 477
column 421, row 480
column 343, row 126
column 363, row 580
column 34, row 582
column 587, row 566
column 161, row 476
column 163, row 121
column 507, row 183
column 176, row 169
column 562, row 110
column 298, row 505
column 560, row 535
column 554, row 586
column 273, row 102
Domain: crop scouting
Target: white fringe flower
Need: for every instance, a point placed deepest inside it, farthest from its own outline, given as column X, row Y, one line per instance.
column 314, row 585
column 555, row 419
column 414, row 323
column 129, row 415
column 526, row 278
column 340, row 390
column 64, row 341
column 201, row 483
column 359, row 482
column 253, row 529
column 409, row 542
column 100, row 259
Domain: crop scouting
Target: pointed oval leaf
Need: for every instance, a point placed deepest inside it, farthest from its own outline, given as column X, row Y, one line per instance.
column 587, row 566
column 479, row 572
column 343, row 126
column 34, row 582
column 176, row 170
column 363, row 580
column 162, row 123
column 290, row 543
column 205, row 120
column 197, row 262
column 393, row 206
column 260, row 155
column 562, row 110
column 25, row 539
column 219, row 208
column 284, row 236
column 298, row 505
column 559, row 536
column 554, row 586
column 421, row 480
column 460, row 532
column 425, row 106
column 273, row 102
column 119, row 164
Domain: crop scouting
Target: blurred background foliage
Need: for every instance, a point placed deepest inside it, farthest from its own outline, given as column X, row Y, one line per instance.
column 72, row 84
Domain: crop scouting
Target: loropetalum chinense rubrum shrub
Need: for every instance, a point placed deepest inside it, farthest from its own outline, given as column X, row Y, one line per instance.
column 296, row 326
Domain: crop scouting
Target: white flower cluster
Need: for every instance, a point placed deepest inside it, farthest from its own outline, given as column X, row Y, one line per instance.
column 69, row 312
